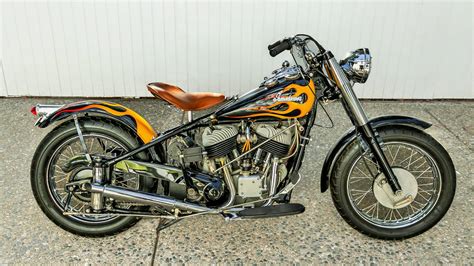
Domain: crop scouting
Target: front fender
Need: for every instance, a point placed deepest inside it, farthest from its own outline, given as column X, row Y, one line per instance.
column 115, row 111
column 351, row 134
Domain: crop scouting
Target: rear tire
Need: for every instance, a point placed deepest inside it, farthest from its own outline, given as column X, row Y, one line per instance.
column 384, row 227
column 39, row 176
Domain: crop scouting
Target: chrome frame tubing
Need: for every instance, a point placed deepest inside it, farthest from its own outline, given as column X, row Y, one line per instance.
column 359, row 118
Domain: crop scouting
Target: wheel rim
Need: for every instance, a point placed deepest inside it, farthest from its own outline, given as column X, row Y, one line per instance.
column 97, row 144
column 412, row 164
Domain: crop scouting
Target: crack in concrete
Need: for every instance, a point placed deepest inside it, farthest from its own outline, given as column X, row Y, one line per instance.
column 448, row 129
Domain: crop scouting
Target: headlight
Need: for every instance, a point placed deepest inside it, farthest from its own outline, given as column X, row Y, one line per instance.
column 357, row 65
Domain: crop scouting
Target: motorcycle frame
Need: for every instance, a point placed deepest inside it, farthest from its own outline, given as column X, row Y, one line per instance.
column 204, row 121
column 350, row 103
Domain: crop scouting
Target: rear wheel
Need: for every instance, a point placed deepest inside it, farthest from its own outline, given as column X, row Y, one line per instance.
column 424, row 170
column 48, row 179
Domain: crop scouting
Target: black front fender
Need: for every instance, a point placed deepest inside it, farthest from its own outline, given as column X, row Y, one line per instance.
column 350, row 135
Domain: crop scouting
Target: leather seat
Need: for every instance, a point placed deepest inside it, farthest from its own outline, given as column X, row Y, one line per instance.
column 186, row 101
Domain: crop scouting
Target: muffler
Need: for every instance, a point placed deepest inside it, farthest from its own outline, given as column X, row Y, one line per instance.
column 129, row 195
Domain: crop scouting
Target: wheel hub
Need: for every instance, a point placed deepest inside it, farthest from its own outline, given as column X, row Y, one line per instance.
column 78, row 174
column 384, row 194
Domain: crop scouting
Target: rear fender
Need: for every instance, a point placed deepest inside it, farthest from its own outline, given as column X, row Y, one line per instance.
column 127, row 117
column 377, row 123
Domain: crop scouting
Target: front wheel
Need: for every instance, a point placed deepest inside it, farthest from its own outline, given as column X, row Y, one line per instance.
column 424, row 170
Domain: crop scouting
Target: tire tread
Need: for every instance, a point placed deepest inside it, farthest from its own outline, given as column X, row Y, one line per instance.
column 93, row 121
column 340, row 165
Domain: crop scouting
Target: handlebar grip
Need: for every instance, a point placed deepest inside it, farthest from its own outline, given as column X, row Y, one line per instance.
column 282, row 46
column 271, row 46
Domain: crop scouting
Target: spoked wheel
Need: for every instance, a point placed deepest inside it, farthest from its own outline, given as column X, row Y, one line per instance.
column 425, row 173
column 49, row 176
column 98, row 145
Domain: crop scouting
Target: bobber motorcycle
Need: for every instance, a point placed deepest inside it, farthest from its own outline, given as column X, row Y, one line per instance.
column 104, row 167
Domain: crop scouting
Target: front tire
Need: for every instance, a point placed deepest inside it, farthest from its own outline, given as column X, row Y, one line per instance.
column 46, row 176
column 421, row 164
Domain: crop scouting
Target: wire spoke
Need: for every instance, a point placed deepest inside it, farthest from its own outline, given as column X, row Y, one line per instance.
column 362, row 172
column 401, row 216
column 390, row 152
column 423, row 173
column 372, row 162
column 358, row 179
column 395, row 157
column 388, row 215
column 91, row 149
column 360, row 195
column 417, row 164
column 57, row 178
column 72, row 153
column 408, row 158
column 427, row 184
column 372, row 209
column 421, row 157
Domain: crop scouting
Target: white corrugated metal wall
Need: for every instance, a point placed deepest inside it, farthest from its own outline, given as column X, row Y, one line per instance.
column 421, row 49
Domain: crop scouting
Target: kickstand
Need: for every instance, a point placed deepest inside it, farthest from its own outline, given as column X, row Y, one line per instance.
column 163, row 224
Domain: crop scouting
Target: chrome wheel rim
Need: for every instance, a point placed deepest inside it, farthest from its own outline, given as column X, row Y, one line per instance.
column 408, row 160
column 97, row 144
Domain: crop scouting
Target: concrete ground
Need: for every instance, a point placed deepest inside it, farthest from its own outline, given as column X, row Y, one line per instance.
column 319, row 235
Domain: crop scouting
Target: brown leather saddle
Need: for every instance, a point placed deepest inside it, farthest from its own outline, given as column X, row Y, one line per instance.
column 186, row 101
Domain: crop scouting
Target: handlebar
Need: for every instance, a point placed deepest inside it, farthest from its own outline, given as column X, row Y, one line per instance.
column 279, row 47
column 286, row 44
column 271, row 46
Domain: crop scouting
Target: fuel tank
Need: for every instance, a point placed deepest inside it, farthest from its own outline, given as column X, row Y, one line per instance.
column 285, row 95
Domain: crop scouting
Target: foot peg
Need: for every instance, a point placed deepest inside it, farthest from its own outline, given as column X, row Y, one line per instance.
column 269, row 211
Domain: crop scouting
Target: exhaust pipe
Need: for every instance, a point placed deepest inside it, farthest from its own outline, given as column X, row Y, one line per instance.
column 129, row 195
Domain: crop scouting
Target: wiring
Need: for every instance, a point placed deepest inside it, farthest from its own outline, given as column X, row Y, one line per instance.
column 327, row 114
column 295, row 145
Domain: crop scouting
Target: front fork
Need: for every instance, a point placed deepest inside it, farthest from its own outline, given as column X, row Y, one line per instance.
column 360, row 120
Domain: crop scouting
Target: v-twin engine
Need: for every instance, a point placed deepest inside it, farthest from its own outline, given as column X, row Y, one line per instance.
column 249, row 156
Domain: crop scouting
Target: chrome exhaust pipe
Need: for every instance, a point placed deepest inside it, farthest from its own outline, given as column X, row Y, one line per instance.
column 230, row 184
column 144, row 198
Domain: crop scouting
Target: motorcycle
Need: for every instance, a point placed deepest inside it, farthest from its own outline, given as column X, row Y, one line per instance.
column 104, row 167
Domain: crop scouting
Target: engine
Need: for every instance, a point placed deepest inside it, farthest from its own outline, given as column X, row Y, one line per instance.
column 239, row 163
column 279, row 145
column 250, row 171
column 219, row 141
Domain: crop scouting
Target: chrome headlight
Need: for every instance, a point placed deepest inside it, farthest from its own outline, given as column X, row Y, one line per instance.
column 357, row 65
